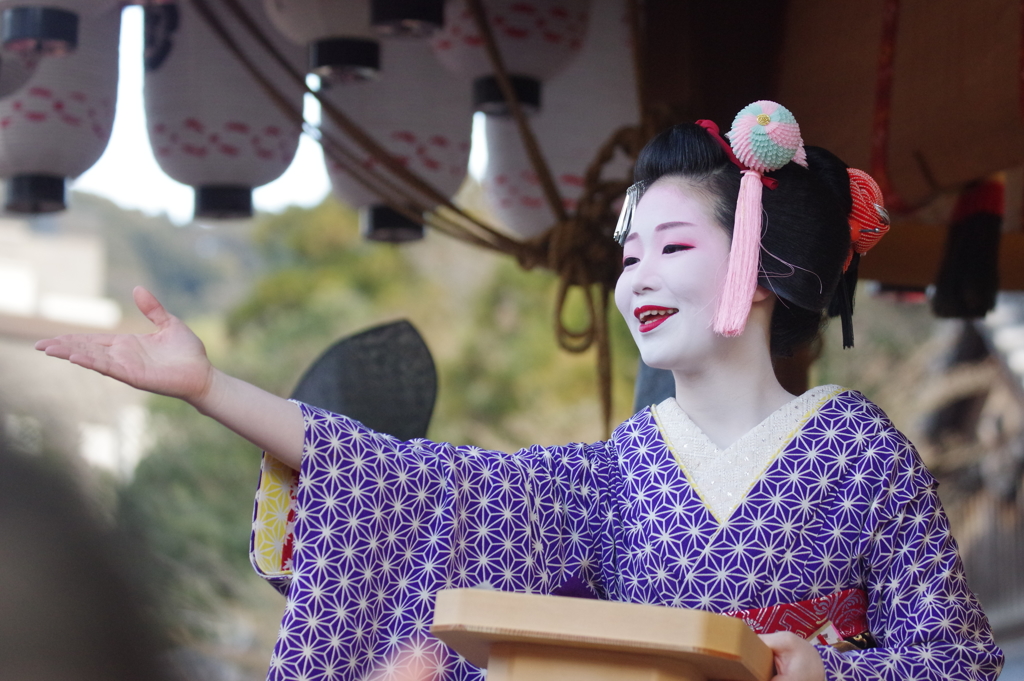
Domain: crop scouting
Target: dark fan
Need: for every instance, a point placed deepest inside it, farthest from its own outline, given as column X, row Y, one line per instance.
column 383, row 377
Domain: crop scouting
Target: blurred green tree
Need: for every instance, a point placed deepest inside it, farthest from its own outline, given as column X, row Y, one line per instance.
column 503, row 381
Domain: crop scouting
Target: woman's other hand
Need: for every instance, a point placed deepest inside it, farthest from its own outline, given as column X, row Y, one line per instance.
column 170, row 361
column 795, row 658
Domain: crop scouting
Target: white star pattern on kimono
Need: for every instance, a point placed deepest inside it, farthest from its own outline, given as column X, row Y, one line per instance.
column 382, row 525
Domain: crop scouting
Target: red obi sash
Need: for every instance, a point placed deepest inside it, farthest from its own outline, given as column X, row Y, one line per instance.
column 828, row 620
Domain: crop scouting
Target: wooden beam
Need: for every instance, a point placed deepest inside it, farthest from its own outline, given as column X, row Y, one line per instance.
column 703, row 59
column 910, row 255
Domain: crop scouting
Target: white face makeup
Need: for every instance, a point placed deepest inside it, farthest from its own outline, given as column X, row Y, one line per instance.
column 674, row 265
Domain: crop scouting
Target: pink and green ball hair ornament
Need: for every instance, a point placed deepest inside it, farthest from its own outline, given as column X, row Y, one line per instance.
column 764, row 137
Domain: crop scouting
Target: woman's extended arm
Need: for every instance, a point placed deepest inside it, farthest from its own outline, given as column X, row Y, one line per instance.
column 172, row 361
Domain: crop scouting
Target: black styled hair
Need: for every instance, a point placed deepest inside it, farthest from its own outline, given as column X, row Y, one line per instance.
column 805, row 234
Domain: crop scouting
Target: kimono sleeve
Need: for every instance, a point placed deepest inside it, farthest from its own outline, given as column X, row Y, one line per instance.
column 379, row 525
column 925, row 619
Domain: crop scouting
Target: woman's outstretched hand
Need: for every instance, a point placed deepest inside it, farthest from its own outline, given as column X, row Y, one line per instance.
column 170, row 361
column 795, row 658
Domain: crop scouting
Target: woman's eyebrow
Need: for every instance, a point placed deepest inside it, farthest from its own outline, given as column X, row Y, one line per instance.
column 670, row 225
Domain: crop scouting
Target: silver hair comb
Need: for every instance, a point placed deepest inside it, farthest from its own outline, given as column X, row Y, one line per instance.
column 633, row 195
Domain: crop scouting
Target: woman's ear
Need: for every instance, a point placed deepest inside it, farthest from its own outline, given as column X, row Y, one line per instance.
column 762, row 294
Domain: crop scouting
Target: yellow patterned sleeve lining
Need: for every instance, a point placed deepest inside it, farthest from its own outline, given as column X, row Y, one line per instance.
column 271, row 527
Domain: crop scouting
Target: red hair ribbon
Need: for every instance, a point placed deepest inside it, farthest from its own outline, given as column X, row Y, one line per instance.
column 869, row 221
column 712, row 128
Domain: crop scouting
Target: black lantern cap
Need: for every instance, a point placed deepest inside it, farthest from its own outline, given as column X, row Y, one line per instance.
column 381, row 223
column 35, row 194
column 345, row 59
column 46, row 30
column 487, row 96
column 407, row 18
column 223, row 201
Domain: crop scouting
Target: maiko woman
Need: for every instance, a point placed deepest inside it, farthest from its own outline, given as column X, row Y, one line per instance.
column 733, row 496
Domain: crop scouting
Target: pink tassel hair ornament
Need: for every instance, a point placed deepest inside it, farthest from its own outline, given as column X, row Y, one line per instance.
column 764, row 137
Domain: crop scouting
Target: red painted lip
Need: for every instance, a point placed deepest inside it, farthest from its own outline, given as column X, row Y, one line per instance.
column 655, row 322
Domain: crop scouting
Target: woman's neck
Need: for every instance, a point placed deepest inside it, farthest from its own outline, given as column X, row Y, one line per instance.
column 729, row 395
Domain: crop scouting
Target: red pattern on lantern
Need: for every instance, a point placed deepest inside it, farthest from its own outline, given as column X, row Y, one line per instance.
column 437, row 158
column 535, row 39
column 597, row 92
column 209, row 121
column 58, row 123
column 42, row 104
column 431, row 139
column 233, row 140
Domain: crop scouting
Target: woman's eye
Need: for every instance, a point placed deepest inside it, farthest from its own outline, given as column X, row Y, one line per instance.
column 674, row 248
column 630, row 261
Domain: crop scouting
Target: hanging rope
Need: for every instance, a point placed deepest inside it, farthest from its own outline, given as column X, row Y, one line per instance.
column 578, row 247
column 533, row 152
column 417, row 194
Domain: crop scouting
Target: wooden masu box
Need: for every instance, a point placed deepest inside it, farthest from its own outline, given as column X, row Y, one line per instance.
column 523, row 637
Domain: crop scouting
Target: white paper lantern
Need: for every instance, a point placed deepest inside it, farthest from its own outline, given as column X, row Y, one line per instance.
column 58, row 123
column 421, row 115
column 49, row 27
column 16, row 69
column 537, row 39
column 585, row 105
column 342, row 46
column 210, row 123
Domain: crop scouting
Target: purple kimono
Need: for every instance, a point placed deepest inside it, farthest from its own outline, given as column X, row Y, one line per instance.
column 380, row 525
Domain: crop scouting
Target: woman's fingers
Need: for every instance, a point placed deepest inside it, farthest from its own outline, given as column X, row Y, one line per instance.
column 795, row 658
column 86, row 361
column 150, row 306
column 82, row 342
column 56, row 350
column 58, row 342
column 92, row 351
column 171, row 361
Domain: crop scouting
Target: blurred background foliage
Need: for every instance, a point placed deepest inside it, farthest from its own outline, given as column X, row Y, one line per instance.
column 503, row 384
